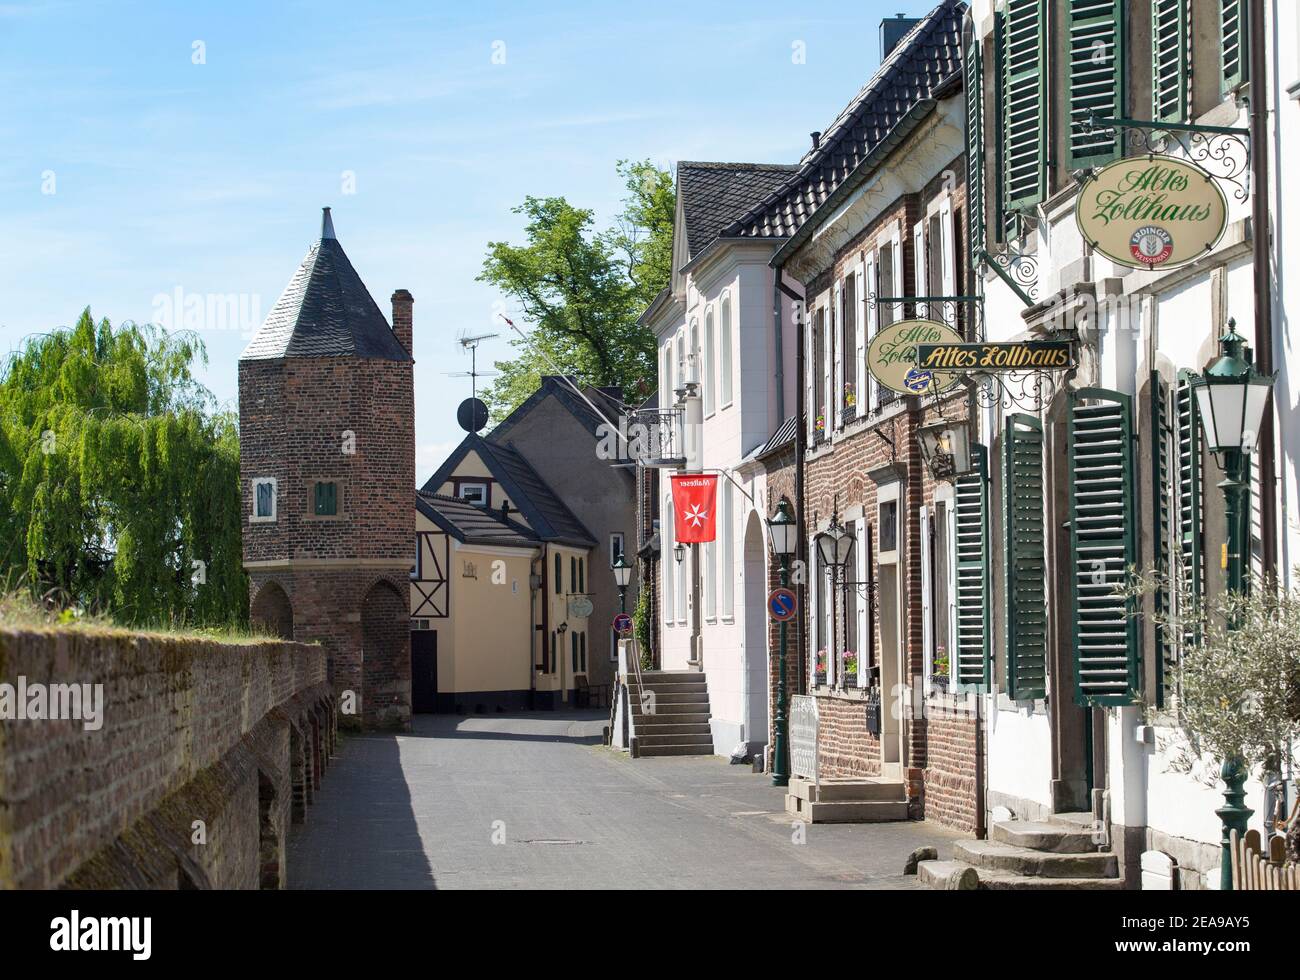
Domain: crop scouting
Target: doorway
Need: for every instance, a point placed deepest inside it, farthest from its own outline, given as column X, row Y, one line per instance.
column 424, row 671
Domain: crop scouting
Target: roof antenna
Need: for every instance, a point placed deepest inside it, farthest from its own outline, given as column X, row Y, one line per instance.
column 470, row 343
column 326, row 224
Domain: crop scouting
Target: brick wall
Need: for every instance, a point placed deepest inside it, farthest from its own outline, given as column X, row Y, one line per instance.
column 192, row 730
column 949, row 776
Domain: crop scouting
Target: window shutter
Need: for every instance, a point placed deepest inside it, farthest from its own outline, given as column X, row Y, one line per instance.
column 862, row 530
column 973, row 67
column 837, row 340
column 1169, row 60
column 873, row 324
column 1103, row 546
column 1191, row 551
column 1026, row 606
column 970, row 656
column 1024, row 95
column 920, row 283
column 1164, row 459
column 927, row 591
column 1234, row 44
column 1096, row 68
column 860, row 332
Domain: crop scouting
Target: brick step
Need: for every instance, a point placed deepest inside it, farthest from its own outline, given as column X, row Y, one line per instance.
column 848, row 790
column 1058, row 838
column 936, row 874
column 995, row 855
column 675, row 748
column 846, row 811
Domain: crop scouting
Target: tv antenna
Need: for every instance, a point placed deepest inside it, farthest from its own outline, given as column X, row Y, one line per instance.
column 470, row 343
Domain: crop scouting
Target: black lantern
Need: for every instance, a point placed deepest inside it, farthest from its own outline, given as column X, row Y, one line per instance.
column 622, row 576
column 945, row 448
column 783, row 530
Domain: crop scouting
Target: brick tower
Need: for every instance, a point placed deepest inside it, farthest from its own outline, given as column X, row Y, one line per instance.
column 327, row 474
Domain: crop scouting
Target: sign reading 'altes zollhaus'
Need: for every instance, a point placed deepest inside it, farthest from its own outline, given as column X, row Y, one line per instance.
column 1152, row 212
column 891, row 358
column 1027, row 355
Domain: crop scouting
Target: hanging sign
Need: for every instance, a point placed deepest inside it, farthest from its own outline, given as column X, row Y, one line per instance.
column 891, row 358
column 1026, row 355
column 694, row 497
column 1154, row 212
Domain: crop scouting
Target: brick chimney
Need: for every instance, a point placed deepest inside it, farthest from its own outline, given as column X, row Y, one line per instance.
column 402, row 324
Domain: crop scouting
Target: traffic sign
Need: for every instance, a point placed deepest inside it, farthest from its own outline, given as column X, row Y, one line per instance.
column 781, row 604
column 623, row 624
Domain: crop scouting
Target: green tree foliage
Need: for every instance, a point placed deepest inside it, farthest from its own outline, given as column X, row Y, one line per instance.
column 582, row 290
column 117, row 475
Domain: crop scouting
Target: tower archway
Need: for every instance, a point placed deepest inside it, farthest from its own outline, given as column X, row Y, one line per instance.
column 385, row 657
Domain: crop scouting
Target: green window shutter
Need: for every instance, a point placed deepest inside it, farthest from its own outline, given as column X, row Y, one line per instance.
column 972, row 520
column 973, row 68
column 1103, row 546
column 1191, row 546
column 1234, row 47
column 1025, row 96
column 1169, row 37
column 1026, row 621
column 1096, row 68
column 1164, row 459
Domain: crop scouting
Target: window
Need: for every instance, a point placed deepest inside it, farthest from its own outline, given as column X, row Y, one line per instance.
column 1096, row 78
column 264, row 494
column 724, row 342
column 1024, row 568
column 474, row 493
column 582, row 576
column 849, row 317
column 616, row 547
column 559, row 574
column 728, row 551
column 682, row 376
column 889, row 525
column 711, row 580
column 667, row 564
column 706, row 365
column 1103, row 546
column 325, row 498
column 573, row 647
column 573, row 574
column 582, row 651
column 693, row 354
column 1024, row 136
column 1169, row 47
column 668, row 396
column 817, row 367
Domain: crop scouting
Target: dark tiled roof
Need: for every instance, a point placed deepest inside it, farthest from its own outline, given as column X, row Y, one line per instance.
column 925, row 63
column 607, row 400
column 527, row 492
column 473, row 524
column 325, row 311
column 714, row 194
column 784, row 434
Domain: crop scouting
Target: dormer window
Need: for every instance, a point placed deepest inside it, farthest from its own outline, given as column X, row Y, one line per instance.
column 474, row 493
column 264, row 494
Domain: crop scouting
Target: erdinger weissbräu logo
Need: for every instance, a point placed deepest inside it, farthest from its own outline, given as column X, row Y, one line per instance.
column 1151, row 245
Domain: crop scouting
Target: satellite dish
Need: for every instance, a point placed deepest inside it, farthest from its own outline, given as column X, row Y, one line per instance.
column 472, row 415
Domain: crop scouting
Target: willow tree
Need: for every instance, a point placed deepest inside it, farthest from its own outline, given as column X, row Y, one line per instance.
column 119, row 480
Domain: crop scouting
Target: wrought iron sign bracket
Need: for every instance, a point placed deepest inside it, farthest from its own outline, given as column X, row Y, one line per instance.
column 1000, row 263
column 947, row 314
column 1222, row 151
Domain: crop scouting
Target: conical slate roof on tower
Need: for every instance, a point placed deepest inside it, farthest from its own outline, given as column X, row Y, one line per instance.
column 325, row 311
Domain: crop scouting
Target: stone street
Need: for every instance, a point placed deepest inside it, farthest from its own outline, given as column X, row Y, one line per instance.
column 422, row 810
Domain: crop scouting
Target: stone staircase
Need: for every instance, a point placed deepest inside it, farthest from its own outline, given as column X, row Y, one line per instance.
column 670, row 713
column 863, row 800
column 1057, row 854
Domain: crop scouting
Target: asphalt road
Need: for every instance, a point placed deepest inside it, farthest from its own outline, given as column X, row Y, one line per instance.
column 535, row 801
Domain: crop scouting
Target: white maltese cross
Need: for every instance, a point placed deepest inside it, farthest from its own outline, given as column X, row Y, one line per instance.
column 696, row 516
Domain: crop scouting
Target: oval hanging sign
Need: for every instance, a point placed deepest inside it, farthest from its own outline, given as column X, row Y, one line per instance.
column 1153, row 212
column 891, row 358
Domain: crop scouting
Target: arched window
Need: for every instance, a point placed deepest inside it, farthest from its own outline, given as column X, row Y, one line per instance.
column 724, row 345
column 706, row 365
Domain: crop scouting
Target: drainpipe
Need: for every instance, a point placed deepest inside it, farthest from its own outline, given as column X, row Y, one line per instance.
column 1261, row 245
column 780, row 351
column 801, row 531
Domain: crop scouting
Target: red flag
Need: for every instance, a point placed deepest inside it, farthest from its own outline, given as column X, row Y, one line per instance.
column 694, row 497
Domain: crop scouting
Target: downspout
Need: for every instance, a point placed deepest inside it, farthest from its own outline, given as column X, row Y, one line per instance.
column 801, row 531
column 780, row 347
column 1261, row 246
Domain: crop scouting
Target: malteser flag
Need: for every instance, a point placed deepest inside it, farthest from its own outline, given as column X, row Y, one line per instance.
column 1154, row 212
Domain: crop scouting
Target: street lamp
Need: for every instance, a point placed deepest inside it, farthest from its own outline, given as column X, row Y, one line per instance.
column 783, row 530
column 945, row 449
column 622, row 575
column 679, row 552
column 1231, row 398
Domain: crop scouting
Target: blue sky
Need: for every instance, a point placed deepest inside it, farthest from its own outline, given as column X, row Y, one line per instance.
column 130, row 171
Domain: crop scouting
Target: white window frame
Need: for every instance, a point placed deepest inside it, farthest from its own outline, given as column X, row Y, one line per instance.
column 827, row 364
column 927, row 597
column 621, row 538
column 693, row 351
column 919, row 271
column 837, row 356
column 725, row 342
column 873, row 324
column 274, row 483
column 707, row 359
column 460, row 493
column 885, row 495
column 860, row 333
